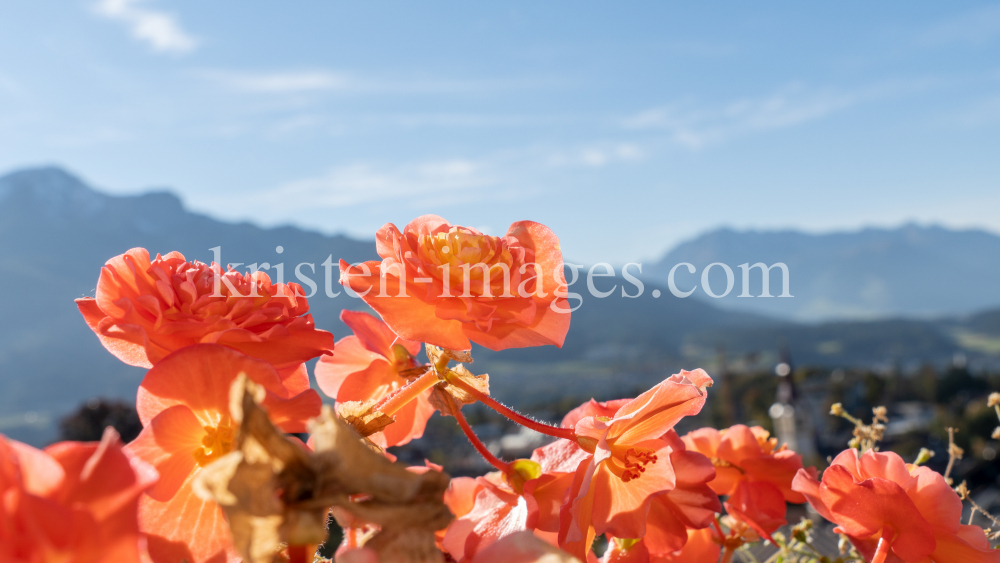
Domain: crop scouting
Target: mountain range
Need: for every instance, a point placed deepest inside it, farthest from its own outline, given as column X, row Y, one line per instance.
column 56, row 232
column 912, row 271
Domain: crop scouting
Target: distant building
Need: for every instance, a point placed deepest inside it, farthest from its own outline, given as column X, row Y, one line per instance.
column 792, row 423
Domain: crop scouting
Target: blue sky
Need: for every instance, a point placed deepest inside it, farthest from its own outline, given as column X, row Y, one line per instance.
column 625, row 129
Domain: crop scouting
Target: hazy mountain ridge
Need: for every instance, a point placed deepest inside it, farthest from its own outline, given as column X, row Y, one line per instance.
column 56, row 233
column 909, row 271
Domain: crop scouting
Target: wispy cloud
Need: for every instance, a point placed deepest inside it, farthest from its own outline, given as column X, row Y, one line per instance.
column 358, row 184
column 281, row 82
column 696, row 126
column 596, row 156
column 319, row 80
column 158, row 29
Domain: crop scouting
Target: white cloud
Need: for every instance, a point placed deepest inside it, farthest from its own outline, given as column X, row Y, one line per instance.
column 356, row 184
column 159, row 29
column 696, row 127
column 320, row 80
column 596, row 156
column 281, row 82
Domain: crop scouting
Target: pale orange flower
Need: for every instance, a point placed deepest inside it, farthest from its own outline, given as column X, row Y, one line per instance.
column 753, row 470
column 367, row 366
column 894, row 512
column 183, row 403
column 72, row 501
column 446, row 285
column 144, row 310
column 631, row 465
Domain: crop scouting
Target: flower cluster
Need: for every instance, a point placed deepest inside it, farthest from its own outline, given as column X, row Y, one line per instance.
column 220, row 474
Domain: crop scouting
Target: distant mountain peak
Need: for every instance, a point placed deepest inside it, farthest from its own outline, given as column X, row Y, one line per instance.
column 51, row 186
column 913, row 269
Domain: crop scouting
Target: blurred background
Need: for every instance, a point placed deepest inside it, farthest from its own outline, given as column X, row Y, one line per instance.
column 857, row 144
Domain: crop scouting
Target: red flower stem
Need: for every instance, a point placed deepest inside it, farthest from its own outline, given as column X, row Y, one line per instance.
column 297, row 554
column 476, row 443
column 715, row 524
column 727, row 555
column 513, row 415
column 407, row 393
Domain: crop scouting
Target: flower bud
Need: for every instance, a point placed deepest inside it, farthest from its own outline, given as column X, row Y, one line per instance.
column 924, row 456
column 837, row 409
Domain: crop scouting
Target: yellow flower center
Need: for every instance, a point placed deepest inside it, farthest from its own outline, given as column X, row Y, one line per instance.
column 463, row 254
column 217, row 442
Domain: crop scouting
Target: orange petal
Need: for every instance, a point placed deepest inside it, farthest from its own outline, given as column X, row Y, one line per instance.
column 168, row 443
column 620, row 508
column 292, row 414
column 406, row 314
column 374, row 334
column 545, row 497
column 761, row 505
column 186, row 528
column 654, row 412
column 199, row 376
column 40, row 474
column 352, row 358
column 863, row 509
column 132, row 353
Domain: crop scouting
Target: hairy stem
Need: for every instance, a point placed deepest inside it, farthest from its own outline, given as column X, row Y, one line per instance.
column 510, row 413
column 392, row 403
column 478, row 444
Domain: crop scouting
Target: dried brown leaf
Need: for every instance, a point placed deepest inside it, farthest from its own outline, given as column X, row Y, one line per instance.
column 438, row 355
column 363, row 416
column 275, row 492
column 446, row 397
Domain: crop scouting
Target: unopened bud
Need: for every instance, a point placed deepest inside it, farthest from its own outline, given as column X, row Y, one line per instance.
column 924, row 456
column 994, row 400
column 837, row 409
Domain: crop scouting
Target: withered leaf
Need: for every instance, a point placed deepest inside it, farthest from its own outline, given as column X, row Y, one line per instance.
column 446, row 396
column 275, row 492
column 363, row 416
column 437, row 355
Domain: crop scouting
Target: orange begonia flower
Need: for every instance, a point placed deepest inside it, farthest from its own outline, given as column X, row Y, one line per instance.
column 497, row 512
column 72, row 502
column 447, row 285
column 691, row 504
column 895, row 512
column 145, row 310
column 755, row 473
column 183, row 403
column 491, row 507
column 366, row 367
column 613, row 490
